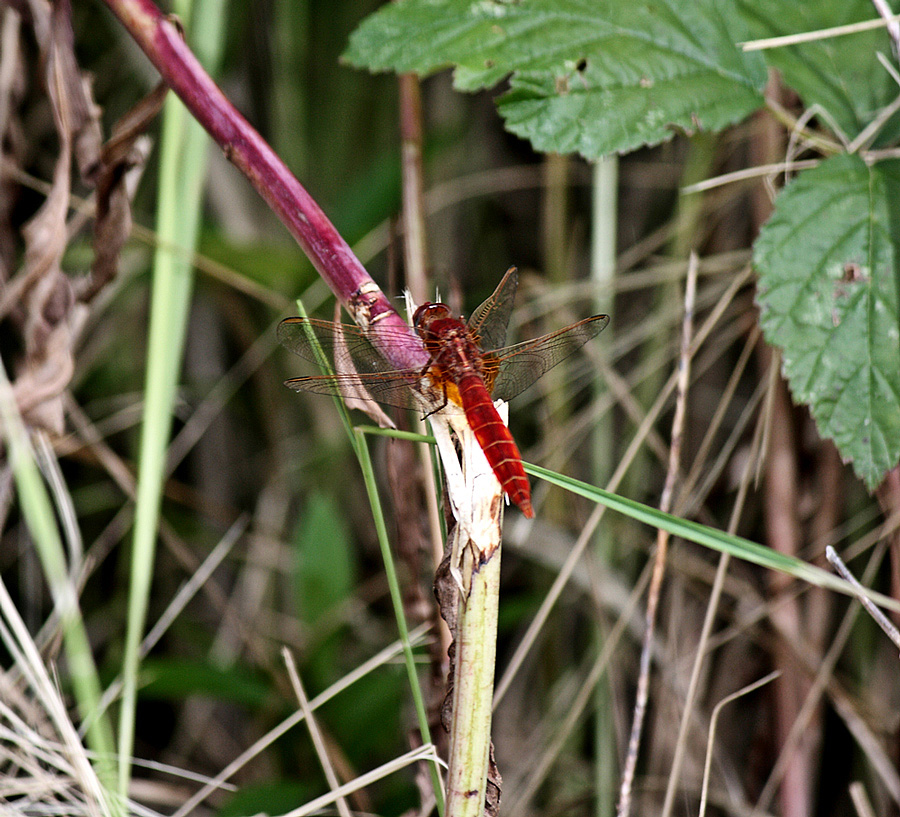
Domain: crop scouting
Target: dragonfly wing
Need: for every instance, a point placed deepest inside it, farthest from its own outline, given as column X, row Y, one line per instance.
column 488, row 323
column 306, row 336
column 510, row 371
column 359, row 370
column 392, row 390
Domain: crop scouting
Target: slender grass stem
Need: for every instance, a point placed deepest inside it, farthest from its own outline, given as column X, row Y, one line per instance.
column 365, row 461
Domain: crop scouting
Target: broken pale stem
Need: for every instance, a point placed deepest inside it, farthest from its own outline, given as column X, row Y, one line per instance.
column 473, row 691
column 476, row 499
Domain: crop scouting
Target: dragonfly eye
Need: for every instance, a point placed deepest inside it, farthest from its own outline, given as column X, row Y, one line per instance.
column 429, row 312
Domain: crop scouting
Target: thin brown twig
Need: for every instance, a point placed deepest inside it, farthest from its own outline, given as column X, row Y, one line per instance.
column 415, row 257
column 880, row 618
column 713, row 721
column 784, row 534
column 888, row 494
column 710, row 616
column 662, row 540
column 823, row 666
column 415, row 245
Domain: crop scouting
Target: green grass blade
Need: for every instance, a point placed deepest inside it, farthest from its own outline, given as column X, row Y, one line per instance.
column 365, row 462
column 182, row 172
column 718, row 540
column 357, row 437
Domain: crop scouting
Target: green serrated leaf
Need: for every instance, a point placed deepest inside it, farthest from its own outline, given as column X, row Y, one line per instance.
column 828, row 295
column 840, row 74
column 586, row 77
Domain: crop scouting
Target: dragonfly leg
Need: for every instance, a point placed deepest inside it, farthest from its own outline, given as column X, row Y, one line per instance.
column 425, row 371
column 443, row 404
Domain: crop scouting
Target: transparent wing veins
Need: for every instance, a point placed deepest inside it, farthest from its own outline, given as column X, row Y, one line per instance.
column 351, row 353
column 489, row 322
column 519, row 366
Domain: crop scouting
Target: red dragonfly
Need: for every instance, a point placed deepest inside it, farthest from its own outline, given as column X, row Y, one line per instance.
column 468, row 369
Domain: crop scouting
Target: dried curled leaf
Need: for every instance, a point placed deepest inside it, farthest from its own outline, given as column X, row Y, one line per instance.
column 44, row 304
column 41, row 293
column 122, row 161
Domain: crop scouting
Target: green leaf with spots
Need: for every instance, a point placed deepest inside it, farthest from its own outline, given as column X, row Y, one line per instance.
column 828, row 262
column 839, row 75
column 586, row 77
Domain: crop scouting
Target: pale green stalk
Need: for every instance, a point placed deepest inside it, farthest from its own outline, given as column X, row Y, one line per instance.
column 604, row 217
column 604, row 225
column 474, row 569
column 292, row 33
column 182, row 173
column 473, row 685
column 41, row 521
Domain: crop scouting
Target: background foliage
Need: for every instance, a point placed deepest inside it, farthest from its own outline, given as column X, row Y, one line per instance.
column 663, row 84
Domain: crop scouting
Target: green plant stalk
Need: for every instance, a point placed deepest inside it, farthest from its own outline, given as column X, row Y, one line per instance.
column 396, row 433
column 555, row 235
column 182, row 172
column 293, row 36
column 365, row 461
column 604, row 217
column 554, row 217
column 604, row 225
column 40, row 518
column 689, row 212
column 474, row 570
column 473, row 686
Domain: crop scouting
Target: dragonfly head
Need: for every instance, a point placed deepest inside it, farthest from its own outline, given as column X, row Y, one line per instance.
column 427, row 314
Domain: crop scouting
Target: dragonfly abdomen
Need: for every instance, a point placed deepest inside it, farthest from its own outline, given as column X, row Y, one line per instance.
column 495, row 440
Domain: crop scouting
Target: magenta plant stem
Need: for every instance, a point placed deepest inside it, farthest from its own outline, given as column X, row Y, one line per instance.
column 162, row 42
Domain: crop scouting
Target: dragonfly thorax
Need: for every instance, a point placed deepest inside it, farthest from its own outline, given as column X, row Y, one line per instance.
column 452, row 348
